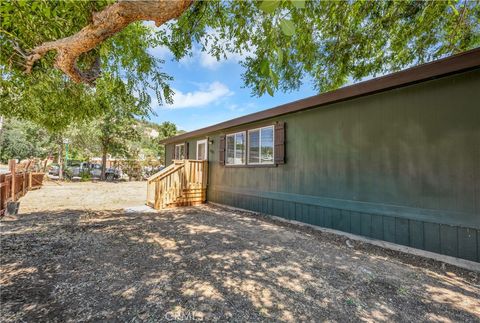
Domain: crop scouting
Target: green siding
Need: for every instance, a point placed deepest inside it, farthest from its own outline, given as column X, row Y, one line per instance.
column 401, row 166
column 402, row 233
column 432, row 237
column 449, row 240
column 377, row 226
column 389, row 229
column 467, row 239
column 416, row 234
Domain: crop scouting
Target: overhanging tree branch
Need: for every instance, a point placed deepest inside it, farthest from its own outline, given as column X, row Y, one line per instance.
column 105, row 24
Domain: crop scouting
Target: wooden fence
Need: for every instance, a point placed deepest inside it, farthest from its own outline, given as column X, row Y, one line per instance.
column 16, row 183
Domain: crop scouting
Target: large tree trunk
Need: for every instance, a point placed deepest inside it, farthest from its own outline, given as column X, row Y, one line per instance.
column 60, row 160
column 104, row 164
column 105, row 24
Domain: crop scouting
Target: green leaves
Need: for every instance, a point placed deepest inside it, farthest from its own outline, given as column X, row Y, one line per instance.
column 299, row 4
column 23, row 139
column 287, row 26
column 269, row 6
column 282, row 43
column 279, row 56
column 264, row 67
column 45, row 96
column 455, row 11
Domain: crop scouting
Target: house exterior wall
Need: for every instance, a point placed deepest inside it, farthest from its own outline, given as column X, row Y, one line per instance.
column 401, row 166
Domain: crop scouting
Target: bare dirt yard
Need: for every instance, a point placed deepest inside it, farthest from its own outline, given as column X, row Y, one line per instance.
column 73, row 254
column 56, row 196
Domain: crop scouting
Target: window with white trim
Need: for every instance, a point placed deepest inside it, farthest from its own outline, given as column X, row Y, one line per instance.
column 202, row 150
column 261, row 145
column 180, row 151
column 235, row 148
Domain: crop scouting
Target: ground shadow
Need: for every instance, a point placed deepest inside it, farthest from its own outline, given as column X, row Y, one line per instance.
column 209, row 263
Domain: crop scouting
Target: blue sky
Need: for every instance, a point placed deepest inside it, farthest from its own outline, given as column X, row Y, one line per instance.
column 210, row 91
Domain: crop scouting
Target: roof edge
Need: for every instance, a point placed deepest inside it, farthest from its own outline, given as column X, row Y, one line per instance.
column 443, row 67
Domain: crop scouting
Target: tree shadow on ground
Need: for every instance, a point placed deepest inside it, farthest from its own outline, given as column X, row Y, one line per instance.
column 209, row 263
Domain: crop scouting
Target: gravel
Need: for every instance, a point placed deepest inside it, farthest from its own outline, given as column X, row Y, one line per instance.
column 81, row 263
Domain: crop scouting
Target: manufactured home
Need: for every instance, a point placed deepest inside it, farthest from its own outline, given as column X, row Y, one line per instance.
column 395, row 158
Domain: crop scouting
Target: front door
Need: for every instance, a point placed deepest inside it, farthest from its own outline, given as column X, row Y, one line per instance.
column 202, row 152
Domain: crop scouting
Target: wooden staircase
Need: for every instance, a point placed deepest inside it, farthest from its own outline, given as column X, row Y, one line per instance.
column 183, row 183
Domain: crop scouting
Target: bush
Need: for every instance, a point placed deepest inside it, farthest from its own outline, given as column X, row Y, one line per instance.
column 86, row 177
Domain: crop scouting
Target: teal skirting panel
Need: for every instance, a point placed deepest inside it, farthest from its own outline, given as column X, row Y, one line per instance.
column 451, row 240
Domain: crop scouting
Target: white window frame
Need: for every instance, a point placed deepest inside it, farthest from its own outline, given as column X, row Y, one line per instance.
column 260, row 145
column 235, row 148
column 203, row 141
column 175, row 153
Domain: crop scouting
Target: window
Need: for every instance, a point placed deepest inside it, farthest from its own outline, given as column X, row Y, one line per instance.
column 260, row 145
column 202, row 152
column 179, row 151
column 235, row 149
column 254, row 147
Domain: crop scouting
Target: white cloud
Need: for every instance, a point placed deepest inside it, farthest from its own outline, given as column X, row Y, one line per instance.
column 161, row 52
column 207, row 94
column 200, row 57
column 203, row 58
column 210, row 62
column 188, row 59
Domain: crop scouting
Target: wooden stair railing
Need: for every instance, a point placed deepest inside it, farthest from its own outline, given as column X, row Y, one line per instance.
column 183, row 183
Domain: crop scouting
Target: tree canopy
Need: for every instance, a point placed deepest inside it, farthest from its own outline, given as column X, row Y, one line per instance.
column 46, row 96
column 282, row 42
column 23, row 139
column 20, row 139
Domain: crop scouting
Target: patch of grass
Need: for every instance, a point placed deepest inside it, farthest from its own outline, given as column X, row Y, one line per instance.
column 351, row 302
column 86, row 177
column 370, row 277
column 402, row 291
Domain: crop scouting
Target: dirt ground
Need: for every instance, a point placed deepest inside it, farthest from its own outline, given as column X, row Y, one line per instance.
column 85, row 195
column 65, row 259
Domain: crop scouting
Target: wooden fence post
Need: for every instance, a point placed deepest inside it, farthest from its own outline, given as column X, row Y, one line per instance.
column 12, row 165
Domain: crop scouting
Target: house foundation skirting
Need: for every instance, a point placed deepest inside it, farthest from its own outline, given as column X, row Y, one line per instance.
column 415, row 229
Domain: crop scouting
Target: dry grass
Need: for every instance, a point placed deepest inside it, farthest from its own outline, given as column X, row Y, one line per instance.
column 74, row 264
column 82, row 196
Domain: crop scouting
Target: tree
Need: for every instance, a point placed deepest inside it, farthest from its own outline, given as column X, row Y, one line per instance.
column 118, row 124
column 83, row 139
column 377, row 36
column 283, row 43
column 23, row 139
column 167, row 130
column 49, row 99
column 46, row 96
column 151, row 133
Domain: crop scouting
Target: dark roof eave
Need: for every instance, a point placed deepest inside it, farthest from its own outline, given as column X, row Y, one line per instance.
column 446, row 66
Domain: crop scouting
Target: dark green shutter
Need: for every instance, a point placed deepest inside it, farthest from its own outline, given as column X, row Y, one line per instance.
column 279, row 143
column 221, row 149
